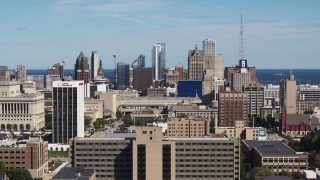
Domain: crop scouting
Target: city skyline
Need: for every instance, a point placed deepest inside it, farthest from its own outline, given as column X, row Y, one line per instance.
column 275, row 33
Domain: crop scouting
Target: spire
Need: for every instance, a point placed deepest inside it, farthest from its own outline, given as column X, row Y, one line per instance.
column 241, row 49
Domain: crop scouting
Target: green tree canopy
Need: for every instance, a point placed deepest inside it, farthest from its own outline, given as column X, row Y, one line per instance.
column 19, row 174
column 119, row 115
column 87, row 121
column 259, row 171
column 127, row 120
column 99, row 123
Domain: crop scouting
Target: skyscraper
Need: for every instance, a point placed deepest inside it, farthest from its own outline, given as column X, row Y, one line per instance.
column 288, row 94
column 195, row 64
column 100, row 72
column 56, row 69
column 21, row 73
column 139, row 62
column 81, row 68
column 159, row 60
column 123, row 75
column 95, row 58
column 209, row 47
column 4, row 73
column 68, row 110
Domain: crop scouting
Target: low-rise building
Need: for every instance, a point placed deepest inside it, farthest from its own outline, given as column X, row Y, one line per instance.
column 188, row 127
column 146, row 154
column 32, row 156
column 74, row 173
column 275, row 156
column 93, row 108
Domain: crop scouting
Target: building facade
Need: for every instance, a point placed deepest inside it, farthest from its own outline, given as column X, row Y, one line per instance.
column 32, row 156
column 241, row 68
column 95, row 59
column 4, row 73
column 288, row 94
column 195, row 64
column 190, row 88
column 255, row 99
column 159, row 61
column 21, row 73
column 81, row 68
column 146, row 154
column 68, row 110
column 57, row 69
column 20, row 111
column 123, row 75
column 142, row 78
column 233, row 106
column 139, row 62
column 188, row 127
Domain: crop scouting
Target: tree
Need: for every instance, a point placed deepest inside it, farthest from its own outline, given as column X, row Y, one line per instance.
column 284, row 173
column 119, row 115
column 3, row 166
column 19, row 174
column 127, row 120
column 183, row 115
column 259, row 171
column 87, row 121
column 99, row 123
column 48, row 121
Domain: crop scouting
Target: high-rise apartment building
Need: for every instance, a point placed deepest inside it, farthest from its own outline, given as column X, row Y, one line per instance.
column 95, row 59
column 195, row 64
column 159, row 61
column 21, row 73
column 139, row 62
column 240, row 80
column 57, row 69
column 18, row 111
column 288, row 94
column 123, row 75
column 255, row 99
column 68, row 110
column 146, row 154
column 4, row 73
column 81, row 68
column 233, row 106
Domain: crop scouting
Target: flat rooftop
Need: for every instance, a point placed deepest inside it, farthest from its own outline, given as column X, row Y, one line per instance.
column 270, row 148
column 75, row 173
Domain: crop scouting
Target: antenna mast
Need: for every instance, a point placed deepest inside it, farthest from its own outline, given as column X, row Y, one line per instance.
column 241, row 50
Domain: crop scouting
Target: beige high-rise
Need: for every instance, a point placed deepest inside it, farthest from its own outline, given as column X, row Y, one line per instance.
column 288, row 94
column 195, row 64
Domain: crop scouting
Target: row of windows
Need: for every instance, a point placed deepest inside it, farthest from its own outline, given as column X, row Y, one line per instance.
column 204, row 144
column 206, row 170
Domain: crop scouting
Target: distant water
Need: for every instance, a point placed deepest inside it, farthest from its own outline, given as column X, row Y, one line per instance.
column 264, row 76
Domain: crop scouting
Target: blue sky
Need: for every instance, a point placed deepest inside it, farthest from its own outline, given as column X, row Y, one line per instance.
column 277, row 34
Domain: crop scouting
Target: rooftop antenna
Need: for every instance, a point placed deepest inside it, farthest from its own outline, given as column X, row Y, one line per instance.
column 241, row 50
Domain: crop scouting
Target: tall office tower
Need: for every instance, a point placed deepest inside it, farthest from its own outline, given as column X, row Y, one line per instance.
column 195, row 64
column 123, row 75
column 21, row 73
column 142, row 78
column 208, row 86
column 95, row 59
column 57, row 69
column 67, row 110
column 81, row 68
column 159, row 61
column 233, row 106
column 255, row 99
column 180, row 70
column 20, row 111
column 139, row 62
column 288, row 94
column 4, row 73
column 245, row 75
column 209, row 47
column 100, row 72
column 211, row 59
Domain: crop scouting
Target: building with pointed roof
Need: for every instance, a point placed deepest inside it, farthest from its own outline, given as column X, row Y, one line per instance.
column 195, row 64
column 81, row 68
